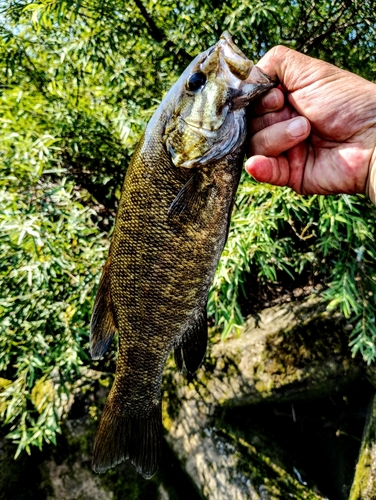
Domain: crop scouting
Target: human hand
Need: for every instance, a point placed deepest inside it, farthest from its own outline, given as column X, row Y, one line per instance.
column 318, row 134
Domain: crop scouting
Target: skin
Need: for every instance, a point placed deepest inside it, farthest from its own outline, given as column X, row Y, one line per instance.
column 317, row 132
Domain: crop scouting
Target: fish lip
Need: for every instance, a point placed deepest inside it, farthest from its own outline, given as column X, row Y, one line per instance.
column 250, row 89
column 245, row 80
column 257, row 76
column 206, row 130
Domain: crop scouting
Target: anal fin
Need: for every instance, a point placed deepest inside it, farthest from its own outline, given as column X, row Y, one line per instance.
column 136, row 437
column 102, row 325
column 192, row 348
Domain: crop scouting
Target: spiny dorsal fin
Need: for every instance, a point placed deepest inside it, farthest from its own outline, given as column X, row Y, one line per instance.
column 102, row 325
column 137, row 437
column 192, row 347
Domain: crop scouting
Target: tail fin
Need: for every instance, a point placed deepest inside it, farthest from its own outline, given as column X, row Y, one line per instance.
column 137, row 437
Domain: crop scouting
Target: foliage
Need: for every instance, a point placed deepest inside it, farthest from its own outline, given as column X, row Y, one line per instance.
column 51, row 252
column 80, row 79
column 280, row 235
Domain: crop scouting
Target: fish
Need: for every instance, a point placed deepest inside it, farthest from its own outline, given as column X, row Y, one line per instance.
column 171, row 227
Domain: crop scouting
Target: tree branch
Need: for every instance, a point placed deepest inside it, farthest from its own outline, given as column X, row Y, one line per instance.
column 38, row 77
column 313, row 40
column 158, row 35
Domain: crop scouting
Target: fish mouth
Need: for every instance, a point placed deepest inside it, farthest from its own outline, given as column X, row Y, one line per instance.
column 254, row 86
column 207, row 131
column 246, row 81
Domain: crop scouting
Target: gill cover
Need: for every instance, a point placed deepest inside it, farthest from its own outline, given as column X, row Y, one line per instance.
column 208, row 119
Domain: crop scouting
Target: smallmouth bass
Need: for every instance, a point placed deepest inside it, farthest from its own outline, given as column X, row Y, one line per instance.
column 170, row 231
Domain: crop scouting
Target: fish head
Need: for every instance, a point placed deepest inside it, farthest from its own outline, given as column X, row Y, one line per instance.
column 206, row 119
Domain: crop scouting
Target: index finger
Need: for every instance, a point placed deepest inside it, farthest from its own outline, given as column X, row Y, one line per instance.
column 293, row 69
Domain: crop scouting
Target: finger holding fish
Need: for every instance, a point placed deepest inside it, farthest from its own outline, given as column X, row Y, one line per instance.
column 274, row 100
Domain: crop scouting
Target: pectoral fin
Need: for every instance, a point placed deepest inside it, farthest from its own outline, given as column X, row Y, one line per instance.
column 102, row 325
column 184, row 199
column 190, row 199
column 192, row 348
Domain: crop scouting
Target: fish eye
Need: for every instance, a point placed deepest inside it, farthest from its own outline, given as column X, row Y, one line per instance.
column 196, row 81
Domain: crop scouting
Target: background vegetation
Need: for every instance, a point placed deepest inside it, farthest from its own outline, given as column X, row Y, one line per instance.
column 79, row 81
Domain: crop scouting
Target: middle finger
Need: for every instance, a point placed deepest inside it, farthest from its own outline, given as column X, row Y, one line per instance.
column 260, row 122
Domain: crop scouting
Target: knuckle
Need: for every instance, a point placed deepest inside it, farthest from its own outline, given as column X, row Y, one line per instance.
column 279, row 52
column 263, row 142
column 281, row 171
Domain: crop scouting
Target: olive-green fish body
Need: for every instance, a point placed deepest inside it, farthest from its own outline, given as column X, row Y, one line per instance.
column 170, row 230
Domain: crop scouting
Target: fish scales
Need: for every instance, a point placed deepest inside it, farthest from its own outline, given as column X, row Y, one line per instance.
column 170, row 230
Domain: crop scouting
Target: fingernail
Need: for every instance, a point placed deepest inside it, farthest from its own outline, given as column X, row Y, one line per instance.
column 270, row 101
column 297, row 127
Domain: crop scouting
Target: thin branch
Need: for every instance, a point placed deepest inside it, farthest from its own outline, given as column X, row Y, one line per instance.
column 315, row 41
column 158, row 35
column 325, row 21
column 37, row 76
column 277, row 20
